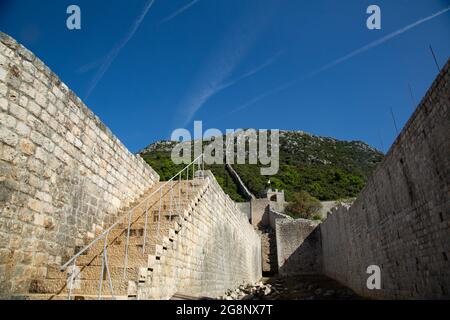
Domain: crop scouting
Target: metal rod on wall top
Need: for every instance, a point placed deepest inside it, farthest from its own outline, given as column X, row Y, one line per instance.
column 435, row 60
column 393, row 118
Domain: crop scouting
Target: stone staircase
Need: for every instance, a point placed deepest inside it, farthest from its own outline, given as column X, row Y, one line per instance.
column 160, row 235
column 269, row 252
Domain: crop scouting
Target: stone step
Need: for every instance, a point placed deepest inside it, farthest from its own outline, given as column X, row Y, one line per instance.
column 151, row 222
column 93, row 273
column 137, row 238
column 116, row 247
column 116, row 258
column 117, row 252
column 153, row 204
column 74, row 297
column 81, row 287
column 151, row 199
column 117, row 236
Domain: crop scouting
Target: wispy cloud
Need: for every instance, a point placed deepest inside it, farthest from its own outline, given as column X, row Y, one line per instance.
column 249, row 73
column 336, row 62
column 217, row 70
column 117, row 48
column 212, row 88
column 178, row 12
column 378, row 42
column 89, row 66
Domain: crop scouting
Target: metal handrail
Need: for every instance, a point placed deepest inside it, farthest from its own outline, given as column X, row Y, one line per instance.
column 127, row 214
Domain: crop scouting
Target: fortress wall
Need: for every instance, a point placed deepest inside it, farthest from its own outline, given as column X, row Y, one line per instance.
column 401, row 221
column 274, row 216
column 241, row 185
column 245, row 207
column 298, row 246
column 216, row 249
column 63, row 174
column 259, row 212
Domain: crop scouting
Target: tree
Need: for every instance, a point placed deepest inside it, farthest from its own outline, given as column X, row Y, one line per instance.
column 304, row 206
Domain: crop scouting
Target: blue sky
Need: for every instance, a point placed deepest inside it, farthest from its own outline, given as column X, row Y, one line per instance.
column 149, row 67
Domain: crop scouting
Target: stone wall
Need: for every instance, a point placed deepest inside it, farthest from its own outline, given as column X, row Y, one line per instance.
column 274, row 216
column 63, row 174
column 260, row 212
column 401, row 221
column 216, row 249
column 298, row 246
column 327, row 206
column 241, row 186
column 245, row 207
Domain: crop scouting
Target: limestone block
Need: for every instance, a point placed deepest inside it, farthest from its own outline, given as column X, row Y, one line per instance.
column 7, row 136
column 3, row 74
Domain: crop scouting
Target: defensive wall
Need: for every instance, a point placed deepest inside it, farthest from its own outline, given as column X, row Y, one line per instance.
column 401, row 220
column 216, row 249
column 65, row 177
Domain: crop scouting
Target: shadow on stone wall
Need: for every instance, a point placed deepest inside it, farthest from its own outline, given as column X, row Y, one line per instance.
column 306, row 257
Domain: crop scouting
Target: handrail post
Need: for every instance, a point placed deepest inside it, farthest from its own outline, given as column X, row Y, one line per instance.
column 203, row 165
column 159, row 212
column 125, row 264
column 187, row 184
column 105, row 253
column 72, row 276
column 171, row 200
column 145, row 228
column 100, row 281
column 179, row 195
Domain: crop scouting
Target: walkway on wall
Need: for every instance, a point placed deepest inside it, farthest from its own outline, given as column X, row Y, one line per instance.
column 241, row 185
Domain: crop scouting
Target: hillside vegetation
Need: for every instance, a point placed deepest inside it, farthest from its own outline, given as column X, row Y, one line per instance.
column 326, row 168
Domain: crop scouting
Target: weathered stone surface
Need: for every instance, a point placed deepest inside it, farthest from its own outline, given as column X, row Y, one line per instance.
column 298, row 246
column 401, row 220
column 46, row 133
column 216, row 249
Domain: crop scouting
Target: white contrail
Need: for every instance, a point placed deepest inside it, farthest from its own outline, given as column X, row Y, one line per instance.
column 178, row 12
column 379, row 42
column 214, row 87
column 255, row 70
column 116, row 50
column 342, row 59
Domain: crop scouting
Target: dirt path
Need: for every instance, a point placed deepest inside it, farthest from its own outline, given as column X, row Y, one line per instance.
column 307, row 288
column 315, row 287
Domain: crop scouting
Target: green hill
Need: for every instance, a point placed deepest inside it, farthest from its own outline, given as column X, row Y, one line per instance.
column 327, row 168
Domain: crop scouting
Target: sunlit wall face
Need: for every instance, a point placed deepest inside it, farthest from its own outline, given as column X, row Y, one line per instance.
column 147, row 68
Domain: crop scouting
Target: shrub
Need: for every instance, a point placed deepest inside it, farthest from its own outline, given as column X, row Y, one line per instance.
column 304, row 206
